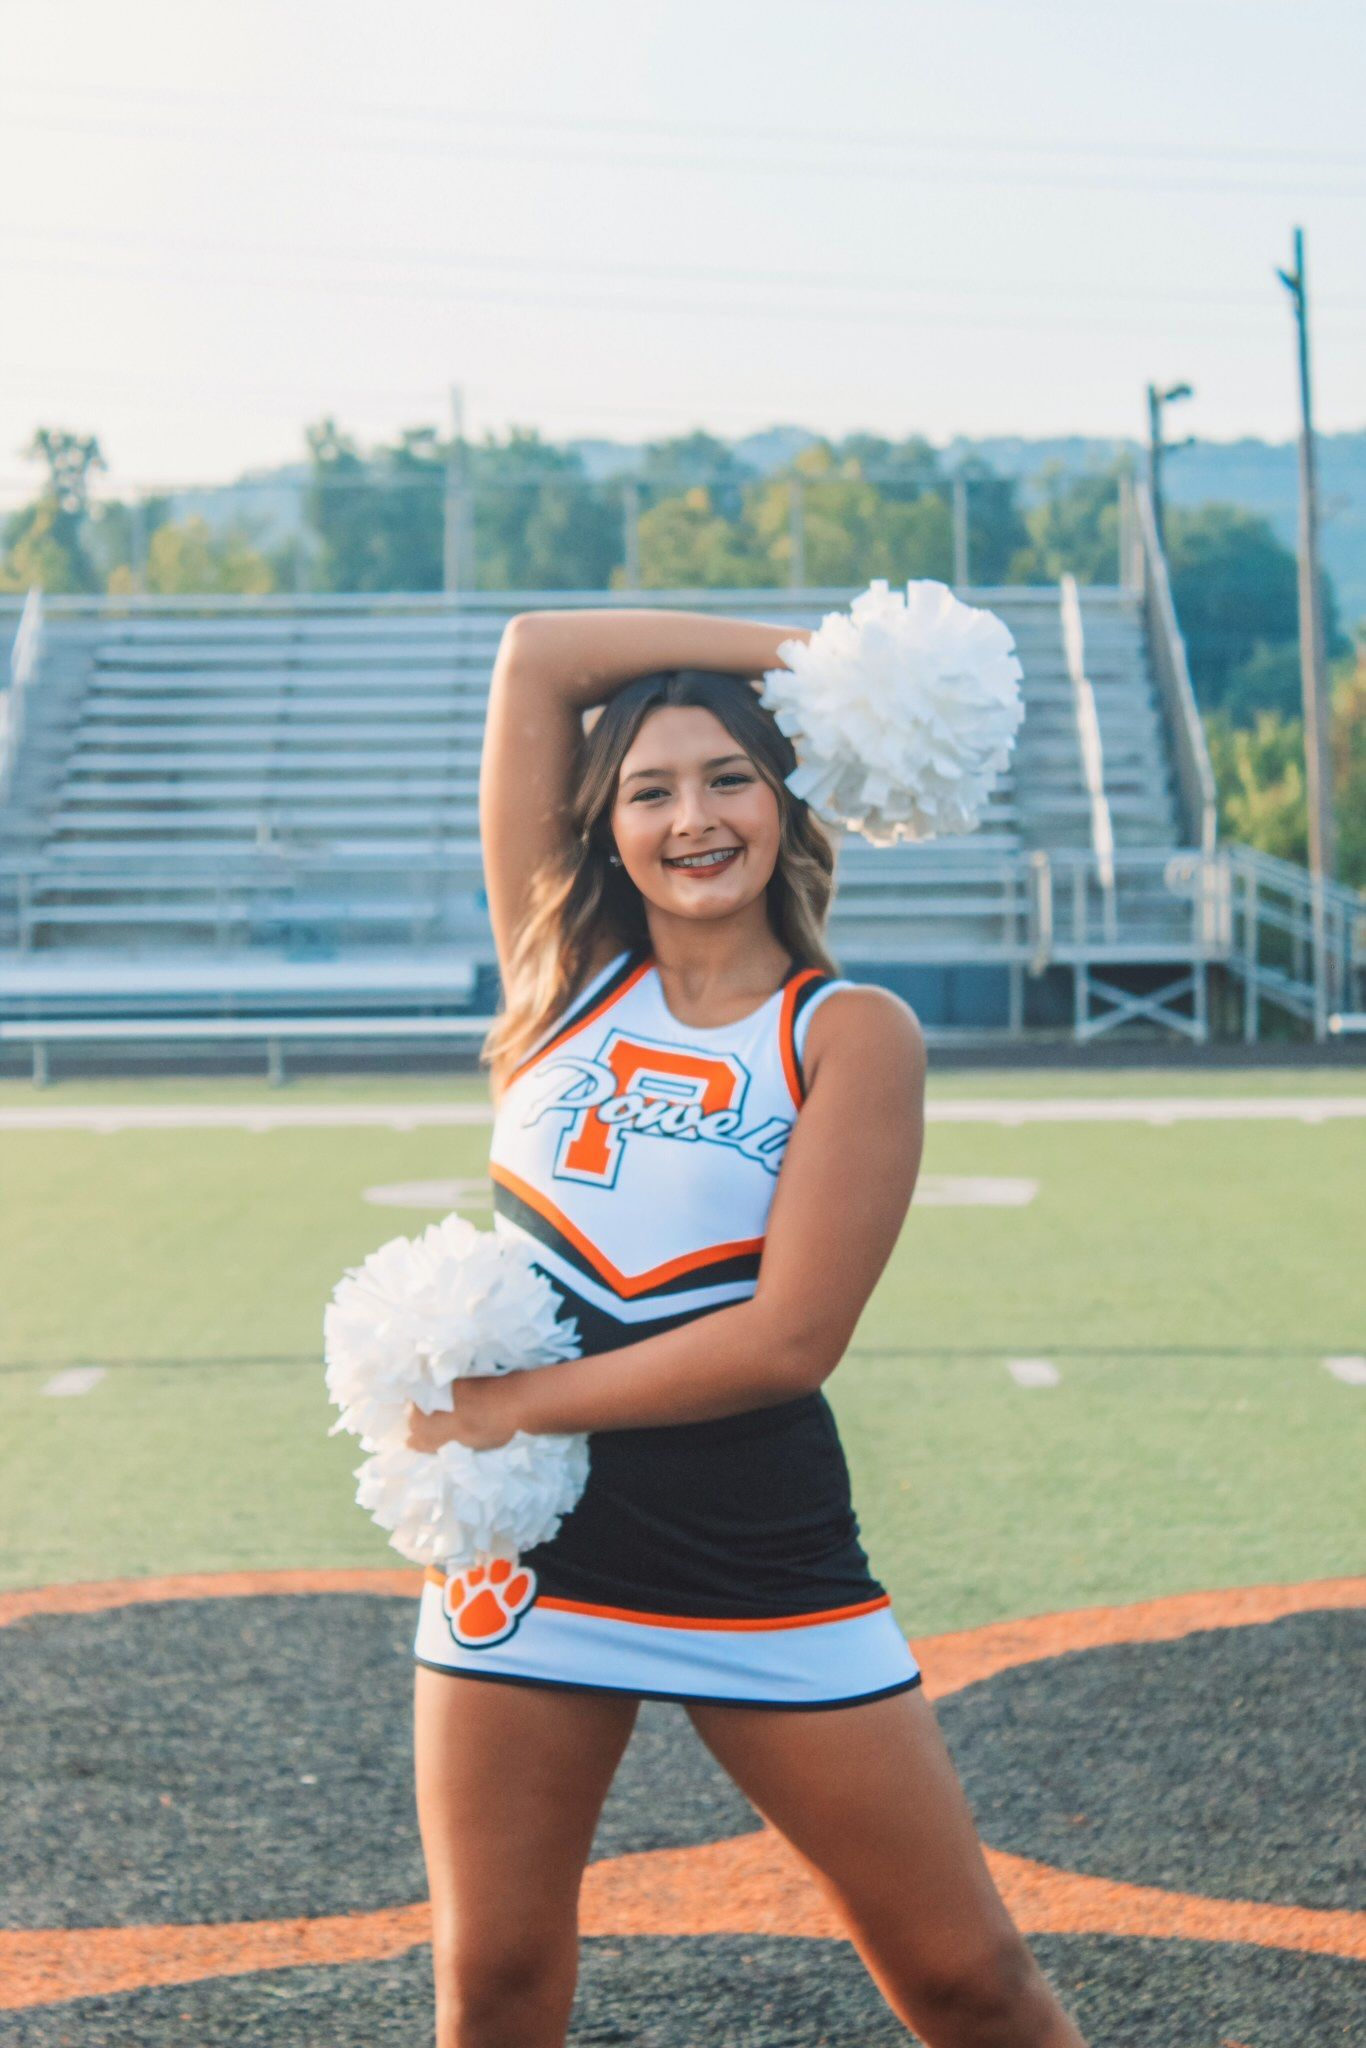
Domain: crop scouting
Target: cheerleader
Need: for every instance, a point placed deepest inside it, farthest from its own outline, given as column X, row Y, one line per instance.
column 710, row 1141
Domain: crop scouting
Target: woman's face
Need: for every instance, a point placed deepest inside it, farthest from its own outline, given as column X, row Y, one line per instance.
column 696, row 825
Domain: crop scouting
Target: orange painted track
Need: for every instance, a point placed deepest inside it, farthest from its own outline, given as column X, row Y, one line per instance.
column 752, row 1884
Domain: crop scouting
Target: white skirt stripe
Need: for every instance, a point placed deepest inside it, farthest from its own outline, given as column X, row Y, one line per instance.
column 828, row 1663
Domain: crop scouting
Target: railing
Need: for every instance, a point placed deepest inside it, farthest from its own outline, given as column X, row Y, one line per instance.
column 1088, row 735
column 1157, row 905
column 23, row 663
column 1194, row 776
column 1295, row 942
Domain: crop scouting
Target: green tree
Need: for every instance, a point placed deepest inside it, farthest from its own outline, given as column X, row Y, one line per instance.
column 1234, row 587
column 902, row 471
column 1260, row 779
column 46, row 543
column 378, row 520
column 187, row 559
column 851, row 531
column 672, row 467
column 540, row 522
column 1073, row 526
column 687, row 544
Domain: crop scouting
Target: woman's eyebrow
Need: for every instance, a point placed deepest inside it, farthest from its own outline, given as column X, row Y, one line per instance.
column 717, row 761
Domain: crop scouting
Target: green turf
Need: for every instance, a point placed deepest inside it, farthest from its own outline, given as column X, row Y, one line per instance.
column 1185, row 1280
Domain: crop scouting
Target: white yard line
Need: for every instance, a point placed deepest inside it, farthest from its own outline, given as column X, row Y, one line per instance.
column 1350, row 1370
column 1143, row 1109
column 1033, row 1372
column 77, row 1379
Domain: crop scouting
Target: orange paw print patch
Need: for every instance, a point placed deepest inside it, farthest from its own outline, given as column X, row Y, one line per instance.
column 484, row 1603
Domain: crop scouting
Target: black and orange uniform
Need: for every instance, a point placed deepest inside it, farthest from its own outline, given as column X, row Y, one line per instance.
column 637, row 1156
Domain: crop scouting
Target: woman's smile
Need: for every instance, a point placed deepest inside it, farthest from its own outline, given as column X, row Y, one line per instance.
column 703, row 864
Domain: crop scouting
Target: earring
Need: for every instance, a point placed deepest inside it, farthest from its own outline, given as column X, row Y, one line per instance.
column 615, row 859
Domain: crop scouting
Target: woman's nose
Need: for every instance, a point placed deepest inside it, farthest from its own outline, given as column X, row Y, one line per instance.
column 691, row 811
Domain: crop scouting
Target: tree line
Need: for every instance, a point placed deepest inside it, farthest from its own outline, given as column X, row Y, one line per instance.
column 527, row 516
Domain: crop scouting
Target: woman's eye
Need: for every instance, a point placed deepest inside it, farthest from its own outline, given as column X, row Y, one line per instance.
column 642, row 793
column 734, row 775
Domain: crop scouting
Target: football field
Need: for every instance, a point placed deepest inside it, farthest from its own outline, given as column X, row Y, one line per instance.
column 1106, row 1417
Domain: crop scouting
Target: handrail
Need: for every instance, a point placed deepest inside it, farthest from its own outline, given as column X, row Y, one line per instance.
column 1088, row 734
column 1320, row 925
column 23, row 663
column 1194, row 775
column 1041, row 909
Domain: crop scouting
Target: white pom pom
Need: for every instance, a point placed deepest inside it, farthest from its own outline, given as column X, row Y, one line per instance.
column 417, row 1314
column 903, row 711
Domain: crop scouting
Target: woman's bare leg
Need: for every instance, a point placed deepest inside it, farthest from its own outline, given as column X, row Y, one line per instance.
column 869, row 1798
column 510, row 1783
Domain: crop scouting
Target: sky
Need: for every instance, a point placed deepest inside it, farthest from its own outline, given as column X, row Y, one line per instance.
column 631, row 218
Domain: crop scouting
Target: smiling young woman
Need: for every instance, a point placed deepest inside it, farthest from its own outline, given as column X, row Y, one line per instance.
column 710, row 1142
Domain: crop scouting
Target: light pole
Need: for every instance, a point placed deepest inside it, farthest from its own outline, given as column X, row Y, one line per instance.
column 1157, row 447
column 1317, row 750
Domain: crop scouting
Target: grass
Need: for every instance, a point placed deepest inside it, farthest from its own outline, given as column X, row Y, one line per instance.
column 1186, row 1281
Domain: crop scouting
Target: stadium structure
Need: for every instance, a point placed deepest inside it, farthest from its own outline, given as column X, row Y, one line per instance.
column 252, row 822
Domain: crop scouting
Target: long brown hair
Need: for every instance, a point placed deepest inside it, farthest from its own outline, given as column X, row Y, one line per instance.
column 579, row 894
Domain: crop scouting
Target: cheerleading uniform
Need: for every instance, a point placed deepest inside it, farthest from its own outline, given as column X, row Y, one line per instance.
column 637, row 1157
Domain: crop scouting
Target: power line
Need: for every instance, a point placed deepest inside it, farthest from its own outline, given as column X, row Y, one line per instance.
column 825, row 280
column 810, row 163
column 827, row 310
column 501, row 119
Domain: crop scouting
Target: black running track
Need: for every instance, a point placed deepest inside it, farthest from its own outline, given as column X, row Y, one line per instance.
column 248, row 1759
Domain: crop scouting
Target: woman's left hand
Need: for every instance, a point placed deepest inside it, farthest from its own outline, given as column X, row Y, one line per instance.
column 483, row 1415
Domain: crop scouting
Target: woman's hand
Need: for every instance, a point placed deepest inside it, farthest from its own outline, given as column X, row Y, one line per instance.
column 484, row 1414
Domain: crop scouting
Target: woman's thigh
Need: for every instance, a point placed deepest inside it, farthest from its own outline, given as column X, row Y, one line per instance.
column 869, row 1797
column 510, row 1782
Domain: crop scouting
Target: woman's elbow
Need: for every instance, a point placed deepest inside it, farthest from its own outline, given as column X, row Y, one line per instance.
column 802, row 1357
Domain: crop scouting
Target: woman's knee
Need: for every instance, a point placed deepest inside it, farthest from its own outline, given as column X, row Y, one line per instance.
column 982, row 1994
column 511, row 1988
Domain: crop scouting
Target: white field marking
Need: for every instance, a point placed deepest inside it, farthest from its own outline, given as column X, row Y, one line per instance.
column 430, row 1194
column 1033, row 1372
column 972, row 1191
column 77, row 1379
column 413, row 1116
column 211, row 1116
column 1351, row 1370
column 1124, row 1109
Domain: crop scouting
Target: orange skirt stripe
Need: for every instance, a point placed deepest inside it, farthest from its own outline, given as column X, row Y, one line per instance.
column 438, row 1578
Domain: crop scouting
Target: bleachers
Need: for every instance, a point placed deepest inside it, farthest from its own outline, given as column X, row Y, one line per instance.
column 269, row 788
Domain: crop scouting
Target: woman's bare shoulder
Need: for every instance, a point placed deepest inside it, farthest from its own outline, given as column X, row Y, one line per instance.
column 866, row 1027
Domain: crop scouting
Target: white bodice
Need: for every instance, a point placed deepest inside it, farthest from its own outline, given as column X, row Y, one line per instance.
column 640, row 1154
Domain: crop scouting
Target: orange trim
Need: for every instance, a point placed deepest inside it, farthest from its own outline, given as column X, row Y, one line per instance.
column 786, row 1037
column 694, row 1621
column 752, row 1884
column 579, row 1023
column 625, row 1284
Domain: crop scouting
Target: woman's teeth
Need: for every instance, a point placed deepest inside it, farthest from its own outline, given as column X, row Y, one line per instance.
column 703, row 860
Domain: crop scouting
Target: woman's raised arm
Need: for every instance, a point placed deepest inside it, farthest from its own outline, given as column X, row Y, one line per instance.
column 552, row 666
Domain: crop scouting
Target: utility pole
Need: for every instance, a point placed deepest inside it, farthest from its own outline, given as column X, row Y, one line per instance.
column 1157, row 448
column 1318, row 763
column 453, row 504
column 796, row 518
column 630, row 512
column 960, row 532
